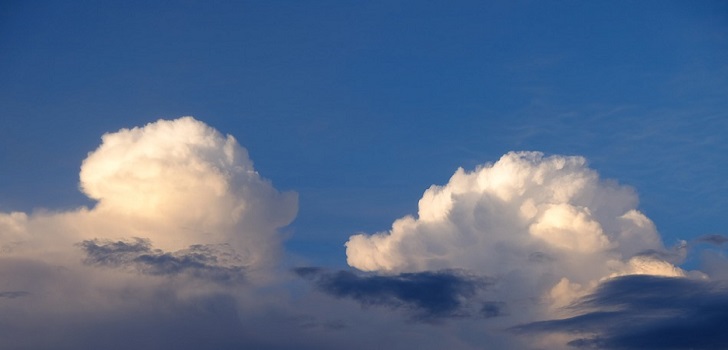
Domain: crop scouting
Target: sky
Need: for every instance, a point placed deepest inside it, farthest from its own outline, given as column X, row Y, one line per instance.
column 397, row 174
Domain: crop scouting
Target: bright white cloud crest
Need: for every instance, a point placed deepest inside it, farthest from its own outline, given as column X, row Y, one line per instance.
column 548, row 224
column 186, row 173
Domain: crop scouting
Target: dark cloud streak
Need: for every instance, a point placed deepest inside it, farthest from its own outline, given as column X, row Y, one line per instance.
column 713, row 239
column 428, row 295
column 647, row 312
column 200, row 261
column 14, row 294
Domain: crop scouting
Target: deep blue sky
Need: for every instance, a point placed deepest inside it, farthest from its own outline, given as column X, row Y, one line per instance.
column 360, row 106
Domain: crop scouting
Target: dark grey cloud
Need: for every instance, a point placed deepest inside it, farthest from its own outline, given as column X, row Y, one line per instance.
column 211, row 262
column 713, row 239
column 14, row 294
column 647, row 312
column 310, row 321
column 491, row 309
column 427, row 295
column 540, row 257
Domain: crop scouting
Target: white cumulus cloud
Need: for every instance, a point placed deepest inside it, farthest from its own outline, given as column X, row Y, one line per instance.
column 174, row 182
column 184, row 235
column 547, row 226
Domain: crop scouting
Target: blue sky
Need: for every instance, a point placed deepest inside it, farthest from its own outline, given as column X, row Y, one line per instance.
column 359, row 107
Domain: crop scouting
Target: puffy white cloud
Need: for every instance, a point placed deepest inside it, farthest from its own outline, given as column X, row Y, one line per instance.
column 175, row 182
column 548, row 227
column 184, row 235
column 184, row 174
